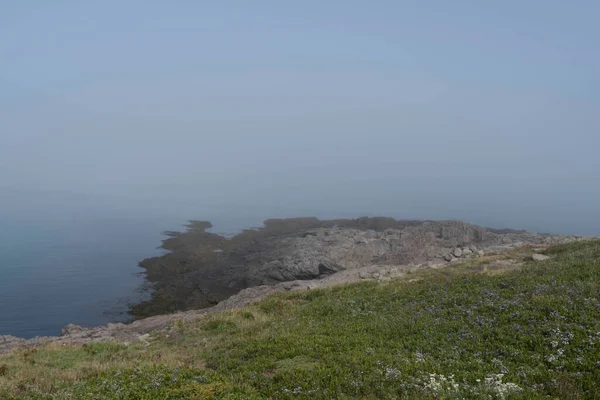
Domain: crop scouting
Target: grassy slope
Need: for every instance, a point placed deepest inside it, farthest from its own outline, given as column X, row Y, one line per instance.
column 462, row 332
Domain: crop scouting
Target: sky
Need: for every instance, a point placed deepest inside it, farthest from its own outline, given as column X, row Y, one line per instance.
column 482, row 111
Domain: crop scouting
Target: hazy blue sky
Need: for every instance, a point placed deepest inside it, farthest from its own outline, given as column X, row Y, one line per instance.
column 485, row 111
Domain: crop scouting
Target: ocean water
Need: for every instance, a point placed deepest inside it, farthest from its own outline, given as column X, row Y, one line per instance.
column 80, row 270
column 81, row 265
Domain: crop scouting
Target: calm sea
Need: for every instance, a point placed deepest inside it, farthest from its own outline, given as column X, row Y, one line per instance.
column 82, row 271
column 77, row 268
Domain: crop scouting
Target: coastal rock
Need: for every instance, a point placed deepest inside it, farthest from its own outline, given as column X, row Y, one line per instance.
column 435, row 264
column 290, row 285
column 8, row 343
column 71, row 329
column 144, row 338
column 364, row 275
column 302, row 249
column 539, row 257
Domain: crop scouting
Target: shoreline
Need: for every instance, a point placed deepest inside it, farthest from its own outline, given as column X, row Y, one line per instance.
column 357, row 268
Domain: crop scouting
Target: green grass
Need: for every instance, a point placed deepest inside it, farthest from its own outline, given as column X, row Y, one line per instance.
column 470, row 331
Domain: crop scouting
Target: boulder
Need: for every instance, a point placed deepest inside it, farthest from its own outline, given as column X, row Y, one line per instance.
column 290, row 285
column 466, row 252
column 363, row 275
column 144, row 337
column 8, row 342
column 457, row 252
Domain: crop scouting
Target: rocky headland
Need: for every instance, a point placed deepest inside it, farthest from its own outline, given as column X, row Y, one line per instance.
column 205, row 272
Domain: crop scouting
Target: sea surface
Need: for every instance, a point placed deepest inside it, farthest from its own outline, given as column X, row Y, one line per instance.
column 81, row 270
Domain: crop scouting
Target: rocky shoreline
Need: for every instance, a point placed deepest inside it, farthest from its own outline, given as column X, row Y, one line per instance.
column 202, row 269
column 215, row 273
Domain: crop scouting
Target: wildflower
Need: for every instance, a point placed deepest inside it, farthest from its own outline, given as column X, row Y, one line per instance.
column 419, row 356
column 551, row 358
column 494, row 384
column 391, row 373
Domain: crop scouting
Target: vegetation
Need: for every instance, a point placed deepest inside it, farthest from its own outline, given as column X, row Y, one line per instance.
column 469, row 331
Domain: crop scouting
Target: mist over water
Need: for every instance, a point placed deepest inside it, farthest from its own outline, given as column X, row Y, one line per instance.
column 116, row 126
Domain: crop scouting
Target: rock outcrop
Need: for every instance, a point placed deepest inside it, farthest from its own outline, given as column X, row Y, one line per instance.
column 203, row 268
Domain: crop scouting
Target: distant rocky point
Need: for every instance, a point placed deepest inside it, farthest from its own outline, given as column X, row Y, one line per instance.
column 205, row 268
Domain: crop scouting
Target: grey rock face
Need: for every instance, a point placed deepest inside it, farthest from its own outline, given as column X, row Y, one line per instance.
column 329, row 250
column 364, row 275
column 290, row 285
column 71, row 329
column 10, row 342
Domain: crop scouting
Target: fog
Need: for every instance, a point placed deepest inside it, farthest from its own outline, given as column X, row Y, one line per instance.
column 247, row 110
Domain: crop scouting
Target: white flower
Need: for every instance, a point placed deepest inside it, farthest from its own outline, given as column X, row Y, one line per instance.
column 391, row 373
